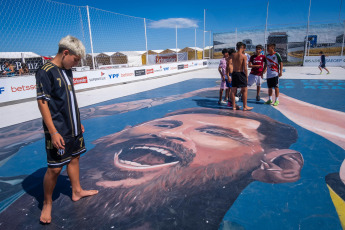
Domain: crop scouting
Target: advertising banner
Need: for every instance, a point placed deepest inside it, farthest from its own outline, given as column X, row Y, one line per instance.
column 22, row 87
column 167, row 58
column 213, row 63
column 330, row 61
column 32, row 63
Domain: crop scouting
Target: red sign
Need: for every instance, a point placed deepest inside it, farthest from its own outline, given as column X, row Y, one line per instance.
column 186, row 66
column 102, row 73
column 79, row 80
column 148, row 71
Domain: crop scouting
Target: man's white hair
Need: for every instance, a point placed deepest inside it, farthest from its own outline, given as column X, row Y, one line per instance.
column 72, row 44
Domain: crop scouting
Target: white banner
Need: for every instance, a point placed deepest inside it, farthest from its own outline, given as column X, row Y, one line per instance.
column 330, row 61
column 17, row 88
column 213, row 63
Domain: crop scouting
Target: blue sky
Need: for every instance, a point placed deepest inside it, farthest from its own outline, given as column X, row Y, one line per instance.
column 235, row 13
column 38, row 25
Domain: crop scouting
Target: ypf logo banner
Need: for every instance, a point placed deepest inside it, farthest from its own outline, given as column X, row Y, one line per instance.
column 111, row 76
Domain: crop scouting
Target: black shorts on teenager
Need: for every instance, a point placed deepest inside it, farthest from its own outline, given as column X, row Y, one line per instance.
column 323, row 65
column 273, row 82
column 239, row 80
column 74, row 146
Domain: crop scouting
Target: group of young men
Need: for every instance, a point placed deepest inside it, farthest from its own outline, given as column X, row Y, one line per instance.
column 233, row 69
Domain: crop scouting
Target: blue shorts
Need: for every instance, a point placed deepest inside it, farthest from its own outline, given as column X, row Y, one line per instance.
column 229, row 85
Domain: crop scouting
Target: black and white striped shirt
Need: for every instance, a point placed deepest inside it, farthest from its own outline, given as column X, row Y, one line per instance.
column 55, row 85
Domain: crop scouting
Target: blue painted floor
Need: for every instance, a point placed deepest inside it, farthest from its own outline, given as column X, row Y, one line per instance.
column 303, row 204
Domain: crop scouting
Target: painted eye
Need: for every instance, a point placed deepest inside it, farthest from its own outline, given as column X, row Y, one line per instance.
column 170, row 124
column 212, row 132
column 165, row 126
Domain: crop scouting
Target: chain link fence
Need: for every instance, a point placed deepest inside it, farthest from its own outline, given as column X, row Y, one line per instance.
column 297, row 32
column 32, row 29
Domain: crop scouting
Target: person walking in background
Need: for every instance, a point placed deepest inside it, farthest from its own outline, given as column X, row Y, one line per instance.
column 323, row 63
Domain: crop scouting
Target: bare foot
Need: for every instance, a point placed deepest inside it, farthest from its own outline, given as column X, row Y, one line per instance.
column 247, row 108
column 46, row 216
column 236, row 107
column 83, row 193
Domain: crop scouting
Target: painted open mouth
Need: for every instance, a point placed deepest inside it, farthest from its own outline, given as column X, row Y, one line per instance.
column 145, row 157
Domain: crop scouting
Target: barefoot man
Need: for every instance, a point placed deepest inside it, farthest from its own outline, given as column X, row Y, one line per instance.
column 238, row 68
column 63, row 131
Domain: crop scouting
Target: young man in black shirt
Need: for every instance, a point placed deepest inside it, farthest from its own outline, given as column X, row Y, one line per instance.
column 61, row 121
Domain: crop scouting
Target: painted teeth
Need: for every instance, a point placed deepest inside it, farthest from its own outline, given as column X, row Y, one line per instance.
column 163, row 151
column 133, row 163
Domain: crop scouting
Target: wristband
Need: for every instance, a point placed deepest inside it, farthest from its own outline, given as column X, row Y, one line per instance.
column 54, row 133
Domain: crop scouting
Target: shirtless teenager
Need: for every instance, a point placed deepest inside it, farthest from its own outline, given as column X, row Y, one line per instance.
column 238, row 68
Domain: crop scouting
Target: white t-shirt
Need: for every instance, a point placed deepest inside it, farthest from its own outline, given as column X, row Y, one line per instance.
column 273, row 63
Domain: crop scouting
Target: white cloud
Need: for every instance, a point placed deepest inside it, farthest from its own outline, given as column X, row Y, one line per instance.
column 172, row 22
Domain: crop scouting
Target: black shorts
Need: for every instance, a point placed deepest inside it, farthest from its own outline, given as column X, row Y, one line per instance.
column 323, row 65
column 273, row 82
column 74, row 146
column 239, row 80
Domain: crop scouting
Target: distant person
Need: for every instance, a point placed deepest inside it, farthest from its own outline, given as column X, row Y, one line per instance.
column 61, row 121
column 238, row 68
column 230, row 51
column 248, row 57
column 323, row 63
column 8, row 70
column 258, row 63
column 274, row 72
column 24, row 69
column 225, row 83
column 244, row 52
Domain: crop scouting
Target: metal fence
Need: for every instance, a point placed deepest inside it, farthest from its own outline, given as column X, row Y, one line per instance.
column 296, row 34
column 31, row 31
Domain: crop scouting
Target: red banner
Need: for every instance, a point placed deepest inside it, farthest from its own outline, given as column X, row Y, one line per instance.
column 80, row 80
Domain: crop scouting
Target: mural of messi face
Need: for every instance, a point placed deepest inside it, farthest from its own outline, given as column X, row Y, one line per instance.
column 182, row 171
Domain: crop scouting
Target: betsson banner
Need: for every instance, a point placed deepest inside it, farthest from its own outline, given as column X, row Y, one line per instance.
column 18, row 88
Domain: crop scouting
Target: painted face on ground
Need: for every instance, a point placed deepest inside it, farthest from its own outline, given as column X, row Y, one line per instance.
column 185, row 141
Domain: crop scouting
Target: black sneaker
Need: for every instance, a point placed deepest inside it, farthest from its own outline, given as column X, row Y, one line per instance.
column 257, row 98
